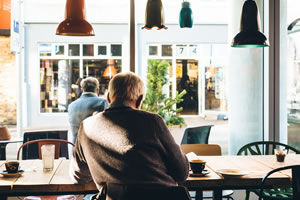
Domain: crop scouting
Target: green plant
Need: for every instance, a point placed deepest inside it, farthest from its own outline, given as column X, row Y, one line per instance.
column 158, row 102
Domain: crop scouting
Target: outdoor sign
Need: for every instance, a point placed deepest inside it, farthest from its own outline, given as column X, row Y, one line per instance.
column 15, row 26
column 4, row 17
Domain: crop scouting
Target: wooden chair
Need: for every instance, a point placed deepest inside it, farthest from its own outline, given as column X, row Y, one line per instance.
column 267, row 148
column 196, row 135
column 40, row 143
column 29, row 151
column 295, row 183
column 206, row 150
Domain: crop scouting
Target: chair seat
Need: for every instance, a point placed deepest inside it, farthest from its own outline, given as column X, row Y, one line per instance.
column 52, row 197
column 209, row 194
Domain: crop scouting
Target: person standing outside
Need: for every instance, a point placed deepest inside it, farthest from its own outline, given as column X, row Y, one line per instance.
column 86, row 105
column 126, row 147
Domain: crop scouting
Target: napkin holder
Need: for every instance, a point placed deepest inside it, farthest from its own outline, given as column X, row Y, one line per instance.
column 4, row 133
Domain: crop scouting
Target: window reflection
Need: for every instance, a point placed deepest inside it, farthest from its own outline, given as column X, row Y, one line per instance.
column 60, row 78
column 103, row 70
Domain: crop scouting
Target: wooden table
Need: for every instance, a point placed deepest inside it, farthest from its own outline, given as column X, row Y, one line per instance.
column 257, row 166
column 36, row 182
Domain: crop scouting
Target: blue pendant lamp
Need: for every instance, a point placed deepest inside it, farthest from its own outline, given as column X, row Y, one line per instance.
column 249, row 35
column 154, row 17
column 186, row 15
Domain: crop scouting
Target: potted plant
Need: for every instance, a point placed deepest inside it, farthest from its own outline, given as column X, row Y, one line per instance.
column 156, row 100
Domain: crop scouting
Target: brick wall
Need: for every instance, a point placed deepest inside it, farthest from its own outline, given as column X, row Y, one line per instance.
column 8, row 83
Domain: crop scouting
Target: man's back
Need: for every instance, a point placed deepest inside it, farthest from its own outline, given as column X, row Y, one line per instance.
column 84, row 107
column 128, row 146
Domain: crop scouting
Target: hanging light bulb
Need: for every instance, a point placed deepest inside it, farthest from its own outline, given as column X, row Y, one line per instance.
column 249, row 35
column 154, row 17
column 75, row 23
column 186, row 15
column 110, row 70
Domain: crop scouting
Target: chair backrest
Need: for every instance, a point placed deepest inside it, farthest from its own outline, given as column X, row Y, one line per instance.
column 42, row 142
column 202, row 149
column 295, row 180
column 264, row 148
column 137, row 192
column 30, row 151
column 196, row 135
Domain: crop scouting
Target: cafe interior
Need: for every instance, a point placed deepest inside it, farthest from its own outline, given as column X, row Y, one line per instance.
column 237, row 60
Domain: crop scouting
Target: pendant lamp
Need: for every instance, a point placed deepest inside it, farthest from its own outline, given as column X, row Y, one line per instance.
column 110, row 70
column 75, row 23
column 154, row 17
column 249, row 35
column 186, row 15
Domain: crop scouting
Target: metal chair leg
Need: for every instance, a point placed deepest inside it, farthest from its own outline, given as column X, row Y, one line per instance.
column 247, row 195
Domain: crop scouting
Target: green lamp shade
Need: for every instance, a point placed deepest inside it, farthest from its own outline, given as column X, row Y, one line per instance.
column 154, row 17
column 186, row 15
column 75, row 23
column 249, row 35
column 248, row 39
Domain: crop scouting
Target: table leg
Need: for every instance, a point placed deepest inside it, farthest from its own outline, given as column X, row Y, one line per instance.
column 199, row 195
column 3, row 151
column 217, row 194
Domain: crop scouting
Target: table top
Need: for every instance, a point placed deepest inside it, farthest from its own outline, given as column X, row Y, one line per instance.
column 12, row 140
column 35, row 181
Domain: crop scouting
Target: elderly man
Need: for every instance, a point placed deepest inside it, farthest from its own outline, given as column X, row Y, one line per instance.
column 126, row 147
column 86, row 105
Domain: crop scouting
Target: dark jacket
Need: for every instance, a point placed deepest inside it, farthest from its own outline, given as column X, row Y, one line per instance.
column 127, row 146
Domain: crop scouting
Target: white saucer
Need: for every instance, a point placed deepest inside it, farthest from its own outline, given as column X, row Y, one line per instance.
column 232, row 173
column 6, row 174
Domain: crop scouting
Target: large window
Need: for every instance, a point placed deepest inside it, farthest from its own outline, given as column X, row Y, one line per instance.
column 62, row 66
column 200, row 70
column 293, row 74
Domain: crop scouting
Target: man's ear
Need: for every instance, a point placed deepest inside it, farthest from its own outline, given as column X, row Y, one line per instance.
column 139, row 101
column 108, row 99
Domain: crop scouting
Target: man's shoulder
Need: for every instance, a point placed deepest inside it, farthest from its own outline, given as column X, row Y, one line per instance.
column 147, row 114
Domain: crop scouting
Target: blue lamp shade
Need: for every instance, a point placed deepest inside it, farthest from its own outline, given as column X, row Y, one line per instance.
column 249, row 35
column 186, row 15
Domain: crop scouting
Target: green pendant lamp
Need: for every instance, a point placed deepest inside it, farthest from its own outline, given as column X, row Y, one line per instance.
column 75, row 23
column 249, row 35
column 186, row 15
column 154, row 17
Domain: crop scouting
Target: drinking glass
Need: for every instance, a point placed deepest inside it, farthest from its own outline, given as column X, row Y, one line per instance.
column 48, row 157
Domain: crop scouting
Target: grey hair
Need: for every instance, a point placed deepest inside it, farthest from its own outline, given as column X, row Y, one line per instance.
column 89, row 84
column 126, row 86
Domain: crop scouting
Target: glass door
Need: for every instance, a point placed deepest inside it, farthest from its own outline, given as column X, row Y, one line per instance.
column 187, row 79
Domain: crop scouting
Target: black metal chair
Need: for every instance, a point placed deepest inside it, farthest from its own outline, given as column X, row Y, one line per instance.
column 196, row 135
column 267, row 148
column 30, row 151
column 295, row 184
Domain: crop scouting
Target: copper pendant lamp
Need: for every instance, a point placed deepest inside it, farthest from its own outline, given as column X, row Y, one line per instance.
column 75, row 23
column 154, row 17
column 249, row 35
